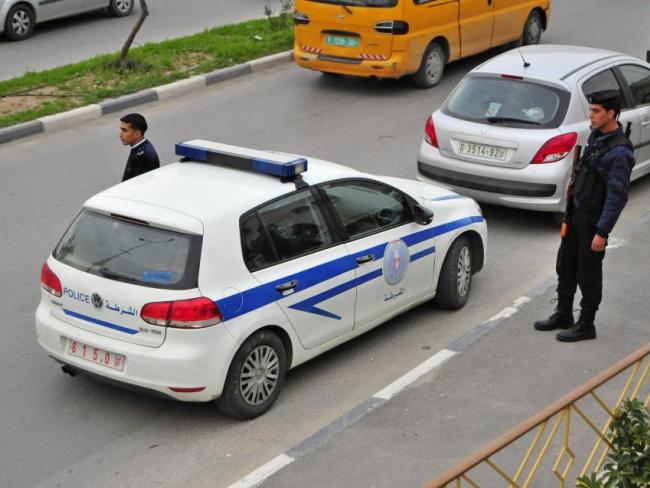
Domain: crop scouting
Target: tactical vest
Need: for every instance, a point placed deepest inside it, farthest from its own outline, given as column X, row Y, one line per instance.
column 588, row 187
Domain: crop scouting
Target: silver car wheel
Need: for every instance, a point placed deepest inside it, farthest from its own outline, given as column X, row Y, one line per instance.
column 20, row 22
column 259, row 375
column 464, row 271
column 123, row 5
column 434, row 66
column 533, row 31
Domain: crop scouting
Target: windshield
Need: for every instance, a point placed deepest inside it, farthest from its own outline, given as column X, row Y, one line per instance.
column 360, row 3
column 508, row 102
column 134, row 253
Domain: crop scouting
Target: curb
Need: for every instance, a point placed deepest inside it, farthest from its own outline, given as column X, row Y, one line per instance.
column 162, row 92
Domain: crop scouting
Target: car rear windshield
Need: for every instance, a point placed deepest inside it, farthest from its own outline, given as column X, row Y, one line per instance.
column 123, row 250
column 508, row 102
column 360, row 3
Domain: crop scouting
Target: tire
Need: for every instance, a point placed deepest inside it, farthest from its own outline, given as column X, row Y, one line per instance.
column 431, row 68
column 120, row 8
column 251, row 388
column 532, row 30
column 455, row 280
column 19, row 24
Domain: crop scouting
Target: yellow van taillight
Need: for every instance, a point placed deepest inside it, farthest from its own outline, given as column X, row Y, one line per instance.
column 299, row 18
column 396, row 27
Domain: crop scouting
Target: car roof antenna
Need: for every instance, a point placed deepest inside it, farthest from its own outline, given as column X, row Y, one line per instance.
column 526, row 63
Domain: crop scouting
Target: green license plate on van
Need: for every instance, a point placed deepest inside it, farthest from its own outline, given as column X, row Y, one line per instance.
column 341, row 41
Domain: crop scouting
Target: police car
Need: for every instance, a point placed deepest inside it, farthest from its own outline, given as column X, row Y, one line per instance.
column 210, row 277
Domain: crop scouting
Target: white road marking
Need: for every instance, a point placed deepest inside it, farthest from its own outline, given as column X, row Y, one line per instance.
column 509, row 311
column 263, row 472
column 398, row 385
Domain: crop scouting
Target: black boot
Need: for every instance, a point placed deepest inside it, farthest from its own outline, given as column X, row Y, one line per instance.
column 583, row 329
column 562, row 318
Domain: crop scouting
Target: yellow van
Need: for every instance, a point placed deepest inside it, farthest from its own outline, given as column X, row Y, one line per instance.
column 393, row 38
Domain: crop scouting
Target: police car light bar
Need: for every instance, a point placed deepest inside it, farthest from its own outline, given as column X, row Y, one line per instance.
column 242, row 158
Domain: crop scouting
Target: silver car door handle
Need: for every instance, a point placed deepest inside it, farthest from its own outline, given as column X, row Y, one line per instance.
column 289, row 285
column 365, row 259
column 646, row 123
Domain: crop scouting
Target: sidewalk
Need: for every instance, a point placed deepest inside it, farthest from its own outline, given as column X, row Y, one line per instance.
column 496, row 380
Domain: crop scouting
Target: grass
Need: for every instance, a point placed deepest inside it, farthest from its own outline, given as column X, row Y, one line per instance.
column 36, row 94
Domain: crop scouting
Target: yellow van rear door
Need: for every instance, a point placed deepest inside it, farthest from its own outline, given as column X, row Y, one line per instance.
column 476, row 20
column 347, row 28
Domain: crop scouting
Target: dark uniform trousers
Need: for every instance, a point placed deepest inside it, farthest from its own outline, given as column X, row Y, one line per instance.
column 578, row 265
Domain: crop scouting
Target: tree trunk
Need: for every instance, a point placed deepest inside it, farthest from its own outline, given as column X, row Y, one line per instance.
column 144, row 11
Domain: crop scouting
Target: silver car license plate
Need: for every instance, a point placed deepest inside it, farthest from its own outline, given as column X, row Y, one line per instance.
column 482, row 151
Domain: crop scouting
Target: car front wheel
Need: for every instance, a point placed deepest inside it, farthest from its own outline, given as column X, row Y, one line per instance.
column 19, row 24
column 120, row 8
column 255, row 377
column 455, row 280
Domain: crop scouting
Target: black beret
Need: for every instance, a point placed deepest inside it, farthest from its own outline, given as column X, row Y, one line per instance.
column 609, row 99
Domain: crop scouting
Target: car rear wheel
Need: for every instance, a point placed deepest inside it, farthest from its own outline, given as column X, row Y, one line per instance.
column 255, row 377
column 532, row 30
column 120, row 8
column 432, row 67
column 455, row 280
column 19, row 23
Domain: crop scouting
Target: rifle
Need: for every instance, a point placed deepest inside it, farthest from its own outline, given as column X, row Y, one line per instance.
column 569, row 197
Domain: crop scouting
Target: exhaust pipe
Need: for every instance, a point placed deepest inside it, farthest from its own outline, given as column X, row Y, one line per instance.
column 68, row 370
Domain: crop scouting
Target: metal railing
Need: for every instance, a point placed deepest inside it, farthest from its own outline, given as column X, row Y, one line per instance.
column 559, row 441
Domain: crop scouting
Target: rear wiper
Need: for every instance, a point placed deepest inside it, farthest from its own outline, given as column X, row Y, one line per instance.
column 107, row 273
column 496, row 120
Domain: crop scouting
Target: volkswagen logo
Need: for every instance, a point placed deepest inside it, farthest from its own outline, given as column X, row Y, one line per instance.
column 97, row 300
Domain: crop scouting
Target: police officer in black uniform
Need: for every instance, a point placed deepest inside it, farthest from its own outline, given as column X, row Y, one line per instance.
column 597, row 195
column 143, row 156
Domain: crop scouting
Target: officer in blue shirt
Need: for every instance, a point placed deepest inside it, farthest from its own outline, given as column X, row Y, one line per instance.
column 598, row 192
column 143, row 156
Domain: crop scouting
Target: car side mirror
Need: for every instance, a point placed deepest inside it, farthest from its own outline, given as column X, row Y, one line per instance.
column 423, row 215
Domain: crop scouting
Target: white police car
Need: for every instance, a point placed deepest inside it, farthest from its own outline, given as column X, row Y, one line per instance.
column 209, row 278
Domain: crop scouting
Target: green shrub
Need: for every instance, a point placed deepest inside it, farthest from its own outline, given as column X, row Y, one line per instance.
column 628, row 463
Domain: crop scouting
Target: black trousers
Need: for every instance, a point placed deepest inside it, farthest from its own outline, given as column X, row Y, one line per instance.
column 577, row 265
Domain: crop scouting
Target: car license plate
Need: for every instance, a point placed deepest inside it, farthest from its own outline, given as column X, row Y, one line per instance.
column 482, row 151
column 342, row 41
column 95, row 355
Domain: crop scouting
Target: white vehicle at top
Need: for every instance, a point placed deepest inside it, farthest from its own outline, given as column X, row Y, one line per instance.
column 211, row 277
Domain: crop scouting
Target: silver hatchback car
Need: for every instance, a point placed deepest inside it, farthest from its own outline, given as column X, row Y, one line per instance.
column 18, row 17
column 507, row 133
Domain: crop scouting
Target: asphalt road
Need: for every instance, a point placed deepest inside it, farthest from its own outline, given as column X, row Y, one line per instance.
column 62, row 432
column 76, row 38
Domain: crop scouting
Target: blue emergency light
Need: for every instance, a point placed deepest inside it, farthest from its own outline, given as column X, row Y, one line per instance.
column 266, row 162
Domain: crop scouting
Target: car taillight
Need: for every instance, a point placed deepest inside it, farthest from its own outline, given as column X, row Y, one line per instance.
column 50, row 282
column 430, row 133
column 183, row 314
column 556, row 148
column 300, row 18
column 397, row 27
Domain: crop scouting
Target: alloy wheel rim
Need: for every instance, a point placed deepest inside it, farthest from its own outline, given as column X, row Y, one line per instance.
column 123, row 5
column 433, row 66
column 20, row 22
column 534, row 31
column 464, row 271
column 259, row 375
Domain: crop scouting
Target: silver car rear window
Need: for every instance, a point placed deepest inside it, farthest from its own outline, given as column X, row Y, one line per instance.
column 132, row 252
column 507, row 102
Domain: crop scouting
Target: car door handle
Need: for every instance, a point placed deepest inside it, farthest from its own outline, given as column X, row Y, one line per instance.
column 365, row 259
column 289, row 285
column 646, row 123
